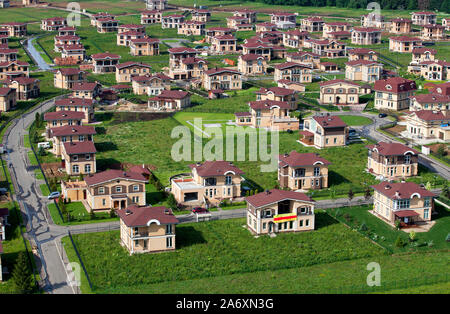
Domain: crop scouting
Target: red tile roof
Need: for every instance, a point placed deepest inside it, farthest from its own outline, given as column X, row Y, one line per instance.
column 112, row 174
column 361, row 62
column 277, row 91
column 361, row 51
column 64, row 115
column 104, row 55
column 269, row 104
column 85, row 86
column 132, row 63
column 367, row 29
column 173, row 94
column 5, row 91
column 85, row 147
column 405, row 38
column 402, row 190
column 337, row 81
column 69, row 71
column 330, row 121
column 423, row 50
column 251, row 56
column 221, row 70
column 287, row 65
column 395, row 85
column 215, row 168
column 275, row 196
column 73, row 130
column 391, row 149
column 182, row 50
column 135, row 216
column 431, row 115
column 431, row 98
column 74, row 102
column 295, row 159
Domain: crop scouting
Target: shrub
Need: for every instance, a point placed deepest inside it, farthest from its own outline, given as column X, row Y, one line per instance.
column 171, row 201
column 399, row 242
column 363, row 227
column 412, row 236
column 112, row 213
column 21, row 275
column 430, row 243
column 398, row 223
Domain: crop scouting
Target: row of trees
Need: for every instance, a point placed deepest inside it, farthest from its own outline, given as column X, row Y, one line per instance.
column 441, row 5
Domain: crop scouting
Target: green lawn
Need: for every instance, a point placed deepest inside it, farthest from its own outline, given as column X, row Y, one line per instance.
column 385, row 235
column 219, row 248
column 78, row 215
column 355, row 120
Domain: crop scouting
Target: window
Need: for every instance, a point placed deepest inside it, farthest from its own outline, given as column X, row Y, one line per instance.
column 75, row 169
column 301, row 223
column 407, row 159
column 403, row 203
column 101, row 190
column 87, row 168
column 75, row 157
column 426, row 213
column 87, row 157
column 169, row 242
column 316, row 171
column 104, row 202
column 306, row 222
column 135, row 188
column 426, row 202
column 228, row 180
column 169, row 229
column 135, row 199
column 118, row 189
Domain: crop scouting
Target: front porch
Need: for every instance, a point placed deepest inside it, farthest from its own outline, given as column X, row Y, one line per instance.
column 409, row 221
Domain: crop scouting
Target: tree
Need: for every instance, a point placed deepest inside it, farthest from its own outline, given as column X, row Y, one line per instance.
column 399, row 242
column 37, row 120
column 398, row 224
column 412, row 236
column 441, row 150
column 41, row 151
column 80, row 177
column 367, row 194
column 171, row 201
column 21, row 275
column 412, row 5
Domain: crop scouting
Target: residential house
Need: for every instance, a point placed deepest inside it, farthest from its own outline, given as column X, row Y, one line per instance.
column 67, row 31
column 423, row 18
column 276, row 211
column 61, row 41
column 8, row 99
column 374, row 20
column 309, row 59
column 78, row 158
column 66, row 78
column 3, row 4
column 201, row 15
column 293, row 71
column 151, row 17
column 446, row 23
column 400, row 26
column 69, row 133
column 107, row 25
column 324, row 131
column 294, row 38
column 145, row 46
column 265, row 27
column 224, row 44
column 86, row 90
column 393, row 93
column 105, row 62
column 421, row 54
column 53, row 23
column 405, row 201
column 339, row 92
column 208, row 183
column 329, row 67
column 217, row 31
column 115, row 189
column 248, row 14
column 151, row 85
column 283, row 17
column 171, row 21
column 189, row 28
column 15, row 29
column 404, row 44
column 392, row 160
column 328, row 48
column 435, row 70
column 239, row 23
column 131, row 28
column 429, row 124
column 147, row 229
column 127, row 70
column 363, row 70
column 74, row 52
column 77, row 104
column 312, row 24
column 170, row 100
column 307, row 171
column 26, row 87
column 336, row 30
column 252, row 64
column 62, row 118
column 269, row 114
column 362, row 54
column 366, row 36
column 159, row 5
column 258, row 47
column 432, row 32
column 100, row 15
column 177, row 69
column 222, row 78
column 125, row 38
column 278, row 94
column 434, row 101
column 13, row 69
column 291, row 85
column 4, row 214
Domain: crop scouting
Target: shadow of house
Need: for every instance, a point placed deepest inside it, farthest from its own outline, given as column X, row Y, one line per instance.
column 187, row 236
column 108, row 163
column 105, row 146
column 336, row 178
column 322, row 219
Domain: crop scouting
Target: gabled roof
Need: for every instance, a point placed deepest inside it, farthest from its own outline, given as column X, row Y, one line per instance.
column 251, row 56
column 405, row 38
column 295, row 159
column 132, row 63
column 221, row 70
column 74, row 102
column 367, row 29
column 277, row 91
column 111, row 175
column 403, row 190
column 182, row 50
column 64, row 115
column 215, row 168
column 361, row 62
column 85, row 86
column 287, row 65
column 73, row 130
column 105, row 55
column 269, row 104
column 431, row 115
column 135, row 216
column 431, row 98
column 424, row 50
column 275, row 196
column 69, row 71
column 338, row 81
column 392, row 149
column 6, row 90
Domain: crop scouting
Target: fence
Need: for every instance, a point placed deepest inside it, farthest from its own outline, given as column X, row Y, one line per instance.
column 79, row 258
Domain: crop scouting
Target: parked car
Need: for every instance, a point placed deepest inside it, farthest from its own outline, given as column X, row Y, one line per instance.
column 382, row 115
column 199, row 210
column 43, row 145
column 54, row 195
column 351, row 132
column 3, row 191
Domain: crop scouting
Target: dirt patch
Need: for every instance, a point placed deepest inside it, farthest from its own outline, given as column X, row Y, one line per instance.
column 397, row 129
column 124, row 117
column 51, row 170
column 434, row 148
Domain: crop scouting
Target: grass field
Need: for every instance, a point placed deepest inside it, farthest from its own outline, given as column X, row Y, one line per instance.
column 219, row 248
column 355, row 120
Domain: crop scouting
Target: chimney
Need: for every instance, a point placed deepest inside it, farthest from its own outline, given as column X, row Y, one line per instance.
column 267, row 192
column 387, row 187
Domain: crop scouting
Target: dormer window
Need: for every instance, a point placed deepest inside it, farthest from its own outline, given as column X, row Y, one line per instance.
column 118, row 189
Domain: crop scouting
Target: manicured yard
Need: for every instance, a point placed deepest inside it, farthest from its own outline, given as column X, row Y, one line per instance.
column 385, row 235
column 355, row 120
column 219, row 248
column 78, row 215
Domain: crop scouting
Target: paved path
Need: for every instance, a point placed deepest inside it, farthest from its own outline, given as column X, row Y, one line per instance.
column 175, row 42
column 36, row 55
